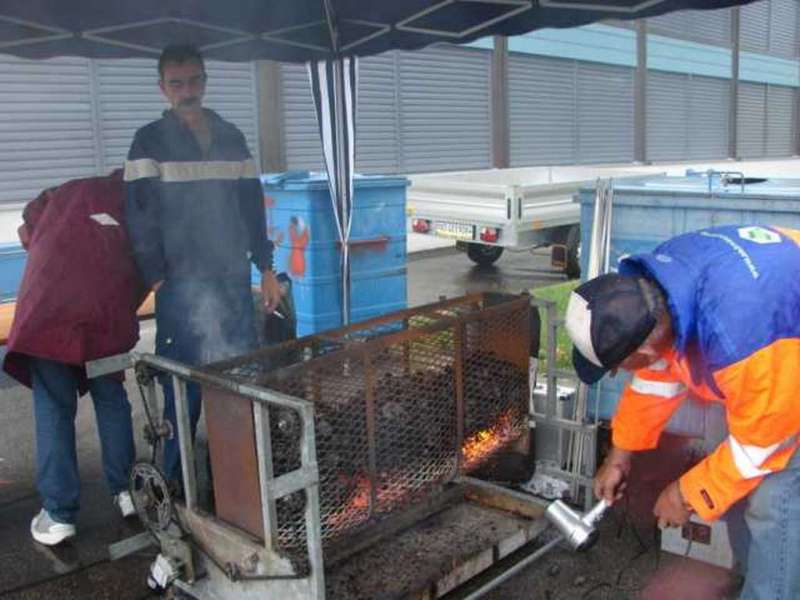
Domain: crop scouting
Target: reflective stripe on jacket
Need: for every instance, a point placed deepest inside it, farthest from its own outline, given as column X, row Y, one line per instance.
column 194, row 215
column 734, row 298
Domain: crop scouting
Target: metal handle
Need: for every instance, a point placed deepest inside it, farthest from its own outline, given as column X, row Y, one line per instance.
column 594, row 515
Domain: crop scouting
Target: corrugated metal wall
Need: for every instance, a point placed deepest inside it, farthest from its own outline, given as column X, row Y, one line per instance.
column 687, row 116
column 445, row 109
column 300, row 132
column 71, row 117
column 770, row 27
column 542, row 109
column 766, row 120
column 766, row 117
column 46, row 125
column 605, row 113
column 428, row 110
column 706, row 26
column 565, row 111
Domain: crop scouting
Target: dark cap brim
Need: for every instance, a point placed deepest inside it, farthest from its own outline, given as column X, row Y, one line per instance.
column 587, row 371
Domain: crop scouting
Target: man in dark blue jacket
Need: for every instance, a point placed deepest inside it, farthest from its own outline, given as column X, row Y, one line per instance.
column 196, row 220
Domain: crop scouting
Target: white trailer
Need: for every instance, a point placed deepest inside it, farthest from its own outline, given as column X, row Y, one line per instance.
column 488, row 211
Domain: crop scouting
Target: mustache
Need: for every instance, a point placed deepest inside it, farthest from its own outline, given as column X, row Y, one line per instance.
column 187, row 102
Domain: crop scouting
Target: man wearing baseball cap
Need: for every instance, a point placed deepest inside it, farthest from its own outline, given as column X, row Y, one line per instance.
column 715, row 314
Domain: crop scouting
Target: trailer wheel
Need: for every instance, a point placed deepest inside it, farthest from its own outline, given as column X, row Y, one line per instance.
column 483, row 255
column 573, row 268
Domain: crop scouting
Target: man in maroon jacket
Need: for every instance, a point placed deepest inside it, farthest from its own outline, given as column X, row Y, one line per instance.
column 77, row 302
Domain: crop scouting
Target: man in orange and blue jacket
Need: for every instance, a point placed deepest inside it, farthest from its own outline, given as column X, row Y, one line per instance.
column 714, row 314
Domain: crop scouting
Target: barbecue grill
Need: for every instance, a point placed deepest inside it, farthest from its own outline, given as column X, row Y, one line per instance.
column 321, row 443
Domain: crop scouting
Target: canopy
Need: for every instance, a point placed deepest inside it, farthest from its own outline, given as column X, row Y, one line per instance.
column 291, row 30
column 323, row 33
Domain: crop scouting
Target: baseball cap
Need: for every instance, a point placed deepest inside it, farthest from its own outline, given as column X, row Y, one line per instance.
column 608, row 317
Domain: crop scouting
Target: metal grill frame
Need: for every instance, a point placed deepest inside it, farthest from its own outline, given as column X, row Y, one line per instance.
column 357, row 345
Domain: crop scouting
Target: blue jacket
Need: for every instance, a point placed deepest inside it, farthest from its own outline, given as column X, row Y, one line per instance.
column 191, row 216
column 734, row 297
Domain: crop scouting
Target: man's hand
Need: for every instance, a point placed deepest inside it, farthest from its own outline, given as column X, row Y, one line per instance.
column 671, row 509
column 271, row 290
column 24, row 233
column 610, row 481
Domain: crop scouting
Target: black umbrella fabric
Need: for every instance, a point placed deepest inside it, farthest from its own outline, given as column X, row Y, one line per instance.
column 291, row 30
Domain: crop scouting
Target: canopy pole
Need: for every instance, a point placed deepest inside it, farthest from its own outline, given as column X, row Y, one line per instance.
column 334, row 84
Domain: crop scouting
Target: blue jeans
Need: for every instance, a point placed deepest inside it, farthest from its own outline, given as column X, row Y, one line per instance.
column 765, row 534
column 55, row 399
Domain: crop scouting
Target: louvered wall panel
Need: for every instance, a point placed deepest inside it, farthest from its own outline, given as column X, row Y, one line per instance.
column 783, row 28
column 542, row 109
column 445, row 109
column 752, row 120
column 754, row 26
column 780, row 121
column 46, row 125
column 703, row 26
column 605, row 113
column 667, row 115
column 300, row 131
column 709, row 123
column 377, row 137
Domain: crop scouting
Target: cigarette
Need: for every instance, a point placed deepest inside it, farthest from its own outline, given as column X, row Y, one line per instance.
column 278, row 314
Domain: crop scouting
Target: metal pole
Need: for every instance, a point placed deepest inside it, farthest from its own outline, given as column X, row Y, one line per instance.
column 458, row 374
column 500, row 124
column 733, row 114
column 266, row 473
column 506, row 575
column 185, row 443
column 308, row 459
column 372, row 433
column 640, row 94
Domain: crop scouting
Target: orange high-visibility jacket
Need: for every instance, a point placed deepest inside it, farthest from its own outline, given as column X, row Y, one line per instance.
column 734, row 297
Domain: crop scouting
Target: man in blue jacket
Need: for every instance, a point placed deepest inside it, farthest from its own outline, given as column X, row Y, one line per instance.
column 196, row 220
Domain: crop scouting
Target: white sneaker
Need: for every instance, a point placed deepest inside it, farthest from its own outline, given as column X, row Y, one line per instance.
column 124, row 502
column 49, row 532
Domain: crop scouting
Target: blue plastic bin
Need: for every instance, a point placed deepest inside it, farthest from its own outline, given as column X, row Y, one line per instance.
column 12, row 266
column 649, row 210
column 300, row 220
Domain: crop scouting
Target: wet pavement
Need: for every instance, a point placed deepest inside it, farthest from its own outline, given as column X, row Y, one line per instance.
column 80, row 568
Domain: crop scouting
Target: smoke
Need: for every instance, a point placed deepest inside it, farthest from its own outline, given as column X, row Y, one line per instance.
column 220, row 322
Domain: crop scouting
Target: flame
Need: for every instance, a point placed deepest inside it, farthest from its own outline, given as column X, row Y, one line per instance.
column 475, row 449
column 483, row 443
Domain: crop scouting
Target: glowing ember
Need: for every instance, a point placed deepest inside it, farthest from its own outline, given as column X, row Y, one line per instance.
column 360, row 499
column 354, row 509
column 486, row 441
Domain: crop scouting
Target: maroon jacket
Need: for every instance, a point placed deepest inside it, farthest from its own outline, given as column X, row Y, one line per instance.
column 81, row 287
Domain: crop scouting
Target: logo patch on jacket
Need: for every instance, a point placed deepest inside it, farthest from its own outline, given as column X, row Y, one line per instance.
column 759, row 235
